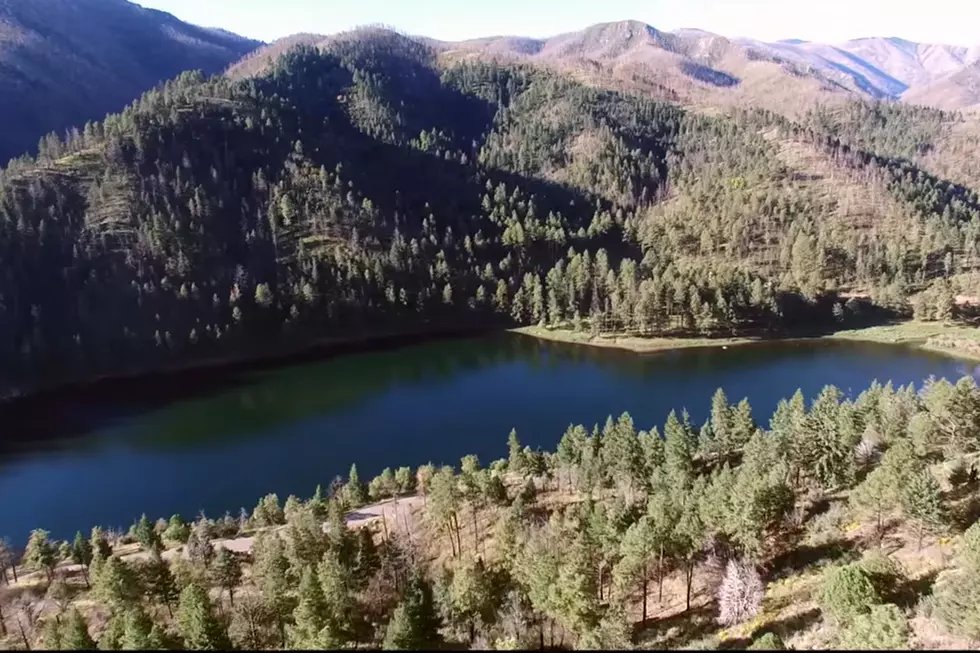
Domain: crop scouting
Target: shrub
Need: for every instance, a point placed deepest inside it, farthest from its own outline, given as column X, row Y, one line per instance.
column 956, row 602
column 883, row 628
column 847, row 592
column 886, row 574
column 767, row 642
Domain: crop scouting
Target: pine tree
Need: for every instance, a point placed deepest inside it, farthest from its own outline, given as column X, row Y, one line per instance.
column 318, row 503
column 41, row 553
column 847, row 592
column 337, row 581
column 139, row 632
column 423, row 479
column 922, row 501
column 415, row 622
column 877, row 496
column 74, row 633
column 677, row 451
column 159, row 581
column 354, row 492
column 638, row 551
column 883, row 628
column 177, row 530
column 145, row 533
column 81, row 554
column 197, row 623
column 116, row 584
column 516, row 462
column 310, row 615
column 227, row 572
column 368, row 560
column 272, row 573
column 199, row 548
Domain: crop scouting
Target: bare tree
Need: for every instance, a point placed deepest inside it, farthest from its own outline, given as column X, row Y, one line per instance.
column 26, row 610
column 741, row 593
column 8, row 559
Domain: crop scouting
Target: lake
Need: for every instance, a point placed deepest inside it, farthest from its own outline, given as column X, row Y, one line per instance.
column 183, row 449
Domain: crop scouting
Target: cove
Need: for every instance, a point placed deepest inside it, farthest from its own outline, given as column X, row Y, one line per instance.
column 181, row 448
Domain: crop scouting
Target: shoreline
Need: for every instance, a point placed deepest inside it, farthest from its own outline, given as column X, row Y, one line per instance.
column 954, row 340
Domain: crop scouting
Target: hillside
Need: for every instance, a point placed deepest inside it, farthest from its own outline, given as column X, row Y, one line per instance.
column 66, row 62
column 364, row 185
column 958, row 90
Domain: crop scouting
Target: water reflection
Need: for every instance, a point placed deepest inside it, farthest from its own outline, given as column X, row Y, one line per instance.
column 221, row 444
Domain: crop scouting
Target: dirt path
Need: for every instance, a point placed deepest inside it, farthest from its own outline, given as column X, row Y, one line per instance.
column 393, row 513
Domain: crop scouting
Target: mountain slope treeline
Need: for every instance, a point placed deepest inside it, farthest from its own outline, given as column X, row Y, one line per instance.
column 363, row 187
column 64, row 62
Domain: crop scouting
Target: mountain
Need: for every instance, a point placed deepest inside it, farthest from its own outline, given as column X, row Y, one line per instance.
column 66, row 62
column 957, row 90
column 700, row 67
column 689, row 66
column 371, row 184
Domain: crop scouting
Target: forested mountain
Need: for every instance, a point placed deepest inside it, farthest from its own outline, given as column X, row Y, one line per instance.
column 365, row 187
column 65, row 62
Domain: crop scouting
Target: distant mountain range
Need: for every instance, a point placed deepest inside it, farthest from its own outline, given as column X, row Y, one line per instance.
column 695, row 66
column 65, row 62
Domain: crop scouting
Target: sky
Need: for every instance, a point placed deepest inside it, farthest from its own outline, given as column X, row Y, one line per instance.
column 951, row 22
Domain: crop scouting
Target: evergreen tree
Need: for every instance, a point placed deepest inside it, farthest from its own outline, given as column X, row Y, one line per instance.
column 883, row 628
column 140, row 633
column 354, row 492
column 81, row 553
column 847, row 592
column 177, row 530
column 922, row 501
column 74, row 633
column 158, row 581
column 677, row 451
column 638, row 552
column 877, row 496
column 414, row 623
column 41, row 553
column 516, row 460
column 200, row 549
column 227, row 572
column 116, row 584
column 273, row 577
column 310, row 615
column 198, row 625
column 145, row 533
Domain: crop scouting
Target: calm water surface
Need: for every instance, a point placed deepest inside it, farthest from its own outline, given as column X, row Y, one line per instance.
column 289, row 429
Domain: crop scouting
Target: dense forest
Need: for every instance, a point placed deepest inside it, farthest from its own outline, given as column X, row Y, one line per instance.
column 847, row 523
column 363, row 188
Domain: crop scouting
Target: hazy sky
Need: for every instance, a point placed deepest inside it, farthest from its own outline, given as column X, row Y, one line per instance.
column 936, row 21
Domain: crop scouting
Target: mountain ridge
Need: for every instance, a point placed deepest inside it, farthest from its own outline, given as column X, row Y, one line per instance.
column 64, row 63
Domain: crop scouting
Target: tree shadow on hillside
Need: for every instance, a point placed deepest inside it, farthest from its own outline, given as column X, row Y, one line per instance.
column 908, row 592
column 790, row 625
column 807, row 556
column 676, row 630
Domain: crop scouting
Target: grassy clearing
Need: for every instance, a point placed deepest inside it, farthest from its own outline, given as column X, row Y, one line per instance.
column 629, row 343
column 958, row 340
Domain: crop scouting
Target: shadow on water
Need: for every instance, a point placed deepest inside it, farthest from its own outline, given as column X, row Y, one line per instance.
column 219, row 439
